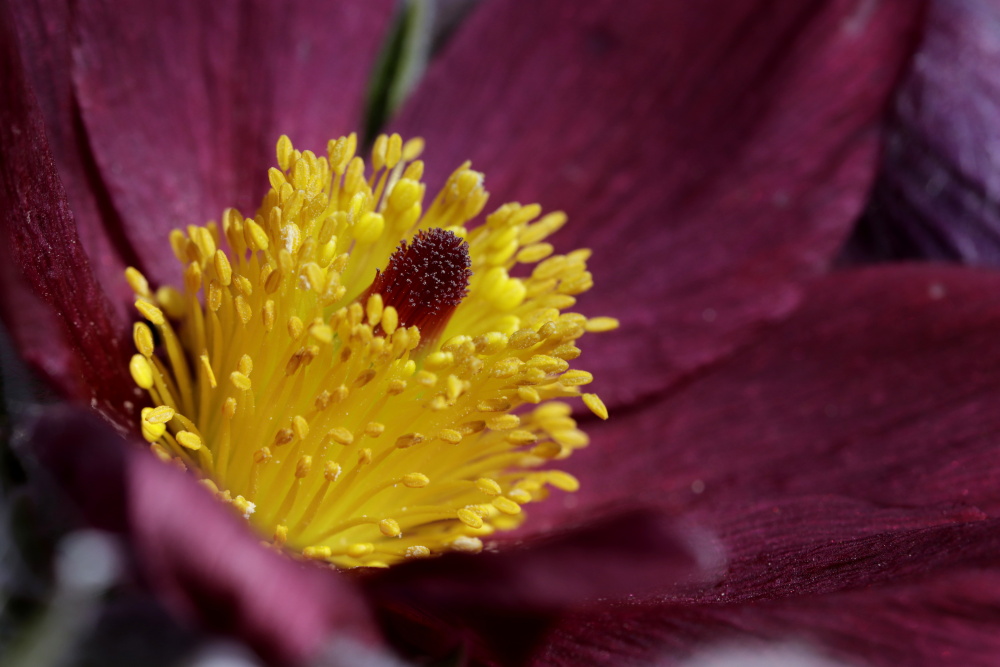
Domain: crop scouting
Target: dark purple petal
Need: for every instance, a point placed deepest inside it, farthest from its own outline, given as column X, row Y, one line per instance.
column 946, row 618
column 882, row 386
column 45, row 30
column 52, row 303
column 937, row 194
column 183, row 102
column 504, row 601
column 712, row 155
column 193, row 550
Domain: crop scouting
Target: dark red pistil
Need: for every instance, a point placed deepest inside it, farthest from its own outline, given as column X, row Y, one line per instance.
column 425, row 281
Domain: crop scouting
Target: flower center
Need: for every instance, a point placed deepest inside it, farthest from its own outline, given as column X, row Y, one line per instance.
column 362, row 379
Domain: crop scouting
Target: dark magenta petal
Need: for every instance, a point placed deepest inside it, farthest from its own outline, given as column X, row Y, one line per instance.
column 45, row 29
column 194, row 551
column 945, row 616
column 183, row 102
column 712, row 155
column 883, row 386
column 504, row 601
column 937, row 191
column 51, row 301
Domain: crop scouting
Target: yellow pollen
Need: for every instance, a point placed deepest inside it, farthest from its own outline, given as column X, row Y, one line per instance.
column 319, row 411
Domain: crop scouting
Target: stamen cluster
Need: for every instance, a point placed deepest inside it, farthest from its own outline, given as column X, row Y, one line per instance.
column 346, row 423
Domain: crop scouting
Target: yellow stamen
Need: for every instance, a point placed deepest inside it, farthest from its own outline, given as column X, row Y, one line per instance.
column 319, row 410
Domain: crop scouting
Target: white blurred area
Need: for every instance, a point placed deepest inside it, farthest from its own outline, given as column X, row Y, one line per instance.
column 757, row 655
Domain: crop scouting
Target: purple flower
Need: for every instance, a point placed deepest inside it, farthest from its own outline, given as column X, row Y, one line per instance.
column 793, row 454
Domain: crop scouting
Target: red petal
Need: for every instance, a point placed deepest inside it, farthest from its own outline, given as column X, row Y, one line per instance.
column 946, row 618
column 45, row 30
column 504, row 601
column 712, row 155
column 193, row 550
column 882, row 386
column 51, row 302
column 184, row 102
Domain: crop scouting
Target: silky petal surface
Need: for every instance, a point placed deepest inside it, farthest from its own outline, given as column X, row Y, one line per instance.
column 191, row 549
column 713, row 156
column 45, row 29
column 945, row 619
column 183, row 102
column 52, row 302
column 502, row 602
column 938, row 190
column 882, row 387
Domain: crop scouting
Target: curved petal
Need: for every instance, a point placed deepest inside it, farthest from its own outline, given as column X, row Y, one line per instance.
column 45, row 30
column 946, row 619
column 183, row 102
column 882, row 387
column 193, row 550
column 52, row 303
column 937, row 194
column 712, row 155
column 503, row 602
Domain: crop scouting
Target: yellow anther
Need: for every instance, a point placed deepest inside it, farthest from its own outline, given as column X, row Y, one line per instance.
column 141, row 371
column 320, row 552
column 245, row 365
column 283, row 436
column 601, row 324
column 493, row 405
column 303, row 466
column 390, row 320
column 295, row 327
column 137, row 282
column 488, row 486
column 506, row 505
column 523, row 339
column 503, row 422
column 161, row 414
column 562, row 480
column 373, row 309
column 150, row 312
column 596, row 405
column 340, row 435
column 369, row 228
column 470, row 518
column 360, row 549
column 365, row 456
column 408, row 440
column 331, row 471
column 189, row 440
column 415, row 480
column 466, row 545
column 389, row 528
column 280, row 535
column 243, row 309
column 240, row 381
column 229, row 408
column 222, row 268
column 575, row 378
column 417, row 551
column 143, row 337
column 300, row 427
column 450, row 435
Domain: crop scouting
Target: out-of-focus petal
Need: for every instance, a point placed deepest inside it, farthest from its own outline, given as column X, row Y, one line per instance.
column 946, row 618
column 193, row 550
column 183, row 102
column 937, row 194
column 52, row 304
column 882, row 386
column 712, row 155
column 504, row 601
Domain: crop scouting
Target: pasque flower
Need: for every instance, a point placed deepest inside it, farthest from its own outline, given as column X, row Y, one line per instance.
column 815, row 453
